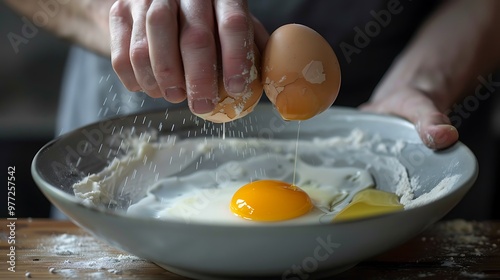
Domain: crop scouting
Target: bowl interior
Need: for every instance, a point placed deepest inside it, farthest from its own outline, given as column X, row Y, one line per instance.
column 73, row 156
column 70, row 158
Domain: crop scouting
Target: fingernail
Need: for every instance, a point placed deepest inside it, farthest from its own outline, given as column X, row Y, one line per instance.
column 443, row 136
column 236, row 85
column 202, row 106
column 175, row 94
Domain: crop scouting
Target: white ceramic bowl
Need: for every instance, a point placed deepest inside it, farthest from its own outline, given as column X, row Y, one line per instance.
column 225, row 251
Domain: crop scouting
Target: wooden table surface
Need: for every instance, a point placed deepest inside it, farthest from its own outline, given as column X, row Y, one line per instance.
column 47, row 249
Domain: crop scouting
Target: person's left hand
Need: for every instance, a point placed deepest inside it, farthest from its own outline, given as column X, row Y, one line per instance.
column 433, row 126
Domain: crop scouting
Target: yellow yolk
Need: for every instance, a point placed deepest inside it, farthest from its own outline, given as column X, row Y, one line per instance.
column 269, row 201
column 369, row 202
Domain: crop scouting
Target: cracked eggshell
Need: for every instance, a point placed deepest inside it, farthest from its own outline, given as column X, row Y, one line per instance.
column 228, row 108
column 300, row 72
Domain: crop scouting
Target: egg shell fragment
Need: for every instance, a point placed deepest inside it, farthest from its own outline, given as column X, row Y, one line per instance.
column 301, row 73
column 229, row 108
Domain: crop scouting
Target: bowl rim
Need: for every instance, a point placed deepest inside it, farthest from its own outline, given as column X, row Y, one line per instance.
column 46, row 187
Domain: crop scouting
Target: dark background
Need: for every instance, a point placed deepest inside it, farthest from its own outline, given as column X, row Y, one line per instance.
column 29, row 86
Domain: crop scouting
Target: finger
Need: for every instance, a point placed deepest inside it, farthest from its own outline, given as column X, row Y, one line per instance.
column 199, row 56
column 236, row 40
column 120, row 24
column 433, row 127
column 436, row 131
column 139, row 50
column 166, row 64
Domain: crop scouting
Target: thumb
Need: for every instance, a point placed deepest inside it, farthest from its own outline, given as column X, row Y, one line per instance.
column 433, row 127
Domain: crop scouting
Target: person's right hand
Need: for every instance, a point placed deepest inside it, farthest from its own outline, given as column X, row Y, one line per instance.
column 171, row 48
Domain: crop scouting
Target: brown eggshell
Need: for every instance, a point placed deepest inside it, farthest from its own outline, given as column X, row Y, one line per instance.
column 300, row 72
column 229, row 108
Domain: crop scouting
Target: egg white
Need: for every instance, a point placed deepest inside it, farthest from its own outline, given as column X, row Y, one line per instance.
column 205, row 196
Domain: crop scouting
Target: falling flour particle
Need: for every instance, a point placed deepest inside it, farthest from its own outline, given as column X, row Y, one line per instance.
column 128, row 177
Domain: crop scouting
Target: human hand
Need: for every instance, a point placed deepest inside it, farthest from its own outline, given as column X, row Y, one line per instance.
column 174, row 49
column 433, row 127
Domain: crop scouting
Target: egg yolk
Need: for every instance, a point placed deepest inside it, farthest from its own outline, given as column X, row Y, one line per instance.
column 299, row 104
column 369, row 202
column 270, row 201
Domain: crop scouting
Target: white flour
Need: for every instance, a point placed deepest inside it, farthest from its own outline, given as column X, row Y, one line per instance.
column 127, row 179
column 437, row 192
column 71, row 255
column 462, row 244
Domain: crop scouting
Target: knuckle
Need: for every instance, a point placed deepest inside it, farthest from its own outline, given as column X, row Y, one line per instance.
column 132, row 86
column 139, row 52
column 168, row 77
column 160, row 11
column 118, row 9
column 163, row 74
column 130, row 83
column 120, row 62
column 236, row 22
column 197, row 38
column 148, row 82
column 154, row 93
column 156, row 16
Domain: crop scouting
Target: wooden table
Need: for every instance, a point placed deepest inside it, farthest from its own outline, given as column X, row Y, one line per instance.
column 47, row 249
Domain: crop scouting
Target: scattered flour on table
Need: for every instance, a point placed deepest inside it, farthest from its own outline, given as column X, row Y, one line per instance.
column 425, row 274
column 464, row 238
column 75, row 254
column 450, row 263
column 473, row 275
column 463, row 244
